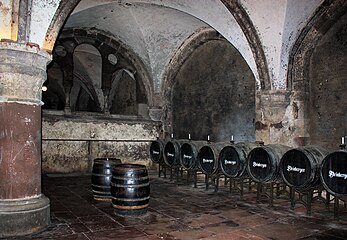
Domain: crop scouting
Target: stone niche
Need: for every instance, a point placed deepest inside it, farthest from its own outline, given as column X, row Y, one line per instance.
column 214, row 94
column 69, row 144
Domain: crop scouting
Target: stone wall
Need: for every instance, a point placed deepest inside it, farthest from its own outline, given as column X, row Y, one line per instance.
column 328, row 89
column 70, row 144
column 214, row 94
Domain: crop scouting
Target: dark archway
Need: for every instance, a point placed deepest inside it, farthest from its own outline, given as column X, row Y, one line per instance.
column 317, row 74
column 209, row 89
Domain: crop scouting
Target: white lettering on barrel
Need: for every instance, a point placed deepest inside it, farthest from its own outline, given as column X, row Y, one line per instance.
column 187, row 156
column 337, row 174
column 262, row 165
column 155, row 152
column 207, row 160
column 295, row 169
column 229, row 162
column 170, row 154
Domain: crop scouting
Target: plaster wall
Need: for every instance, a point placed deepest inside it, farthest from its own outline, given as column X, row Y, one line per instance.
column 278, row 24
column 6, row 19
column 42, row 12
column 70, row 144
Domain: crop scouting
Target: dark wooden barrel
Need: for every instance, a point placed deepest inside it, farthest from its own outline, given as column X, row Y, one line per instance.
column 263, row 162
column 299, row 167
column 101, row 177
column 333, row 173
column 189, row 154
column 130, row 189
column 233, row 159
column 172, row 153
column 208, row 157
column 156, row 151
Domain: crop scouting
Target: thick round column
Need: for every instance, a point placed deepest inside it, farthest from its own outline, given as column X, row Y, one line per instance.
column 23, row 208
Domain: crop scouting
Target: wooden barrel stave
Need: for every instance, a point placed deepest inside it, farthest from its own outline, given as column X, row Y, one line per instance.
column 130, row 189
column 101, row 177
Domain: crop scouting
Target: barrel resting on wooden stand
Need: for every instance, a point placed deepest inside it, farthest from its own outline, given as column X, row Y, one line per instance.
column 240, row 183
column 268, row 191
column 263, row 168
column 337, row 209
column 307, row 197
column 162, row 169
column 333, row 174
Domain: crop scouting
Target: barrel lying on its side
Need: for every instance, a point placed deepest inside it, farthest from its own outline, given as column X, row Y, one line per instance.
column 189, row 154
column 208, row 157
column 101, row 177
column 333, row 173
column 156, row 151
column 172, row 153
column 299, row 167
column 130, row 189
column 233, row 159
column 263, row 162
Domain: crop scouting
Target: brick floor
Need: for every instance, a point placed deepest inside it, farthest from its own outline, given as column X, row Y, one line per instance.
column 180, row 211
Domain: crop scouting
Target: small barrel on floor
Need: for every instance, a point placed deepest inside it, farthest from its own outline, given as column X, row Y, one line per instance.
column 101, row 177
column 130, row 189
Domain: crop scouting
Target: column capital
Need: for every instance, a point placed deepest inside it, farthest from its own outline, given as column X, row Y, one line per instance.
column 22, row 72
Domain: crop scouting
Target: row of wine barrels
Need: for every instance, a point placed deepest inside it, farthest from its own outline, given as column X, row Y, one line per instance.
column 101, row 177
column 302, row 168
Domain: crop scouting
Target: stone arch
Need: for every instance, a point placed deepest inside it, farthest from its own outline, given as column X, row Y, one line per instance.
column 190, row 47
column 86, row 81
column 97, row 37
column 242, row 18
column 325, row 16
column 63, row 12
column 318, row 100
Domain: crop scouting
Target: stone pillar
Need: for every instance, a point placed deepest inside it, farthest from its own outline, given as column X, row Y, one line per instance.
column 23, row 208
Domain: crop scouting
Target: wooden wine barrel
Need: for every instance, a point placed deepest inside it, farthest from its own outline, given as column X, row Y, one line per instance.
column 233, row 159
column 172, row 153
column 263, row 162
column 101, row 177
column 333, row 173
column 208, row 157
column 156, row 151
column 299, row 167
column 130, row 189
column 189, row 153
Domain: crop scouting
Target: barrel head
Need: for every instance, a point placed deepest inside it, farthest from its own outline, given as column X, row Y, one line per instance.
column 260, row 167
column 296, row 168
column 156, row 151
column 188, row 156
column 230, row 162
column 334, row 173
column 171, row 153
column 207, row 160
